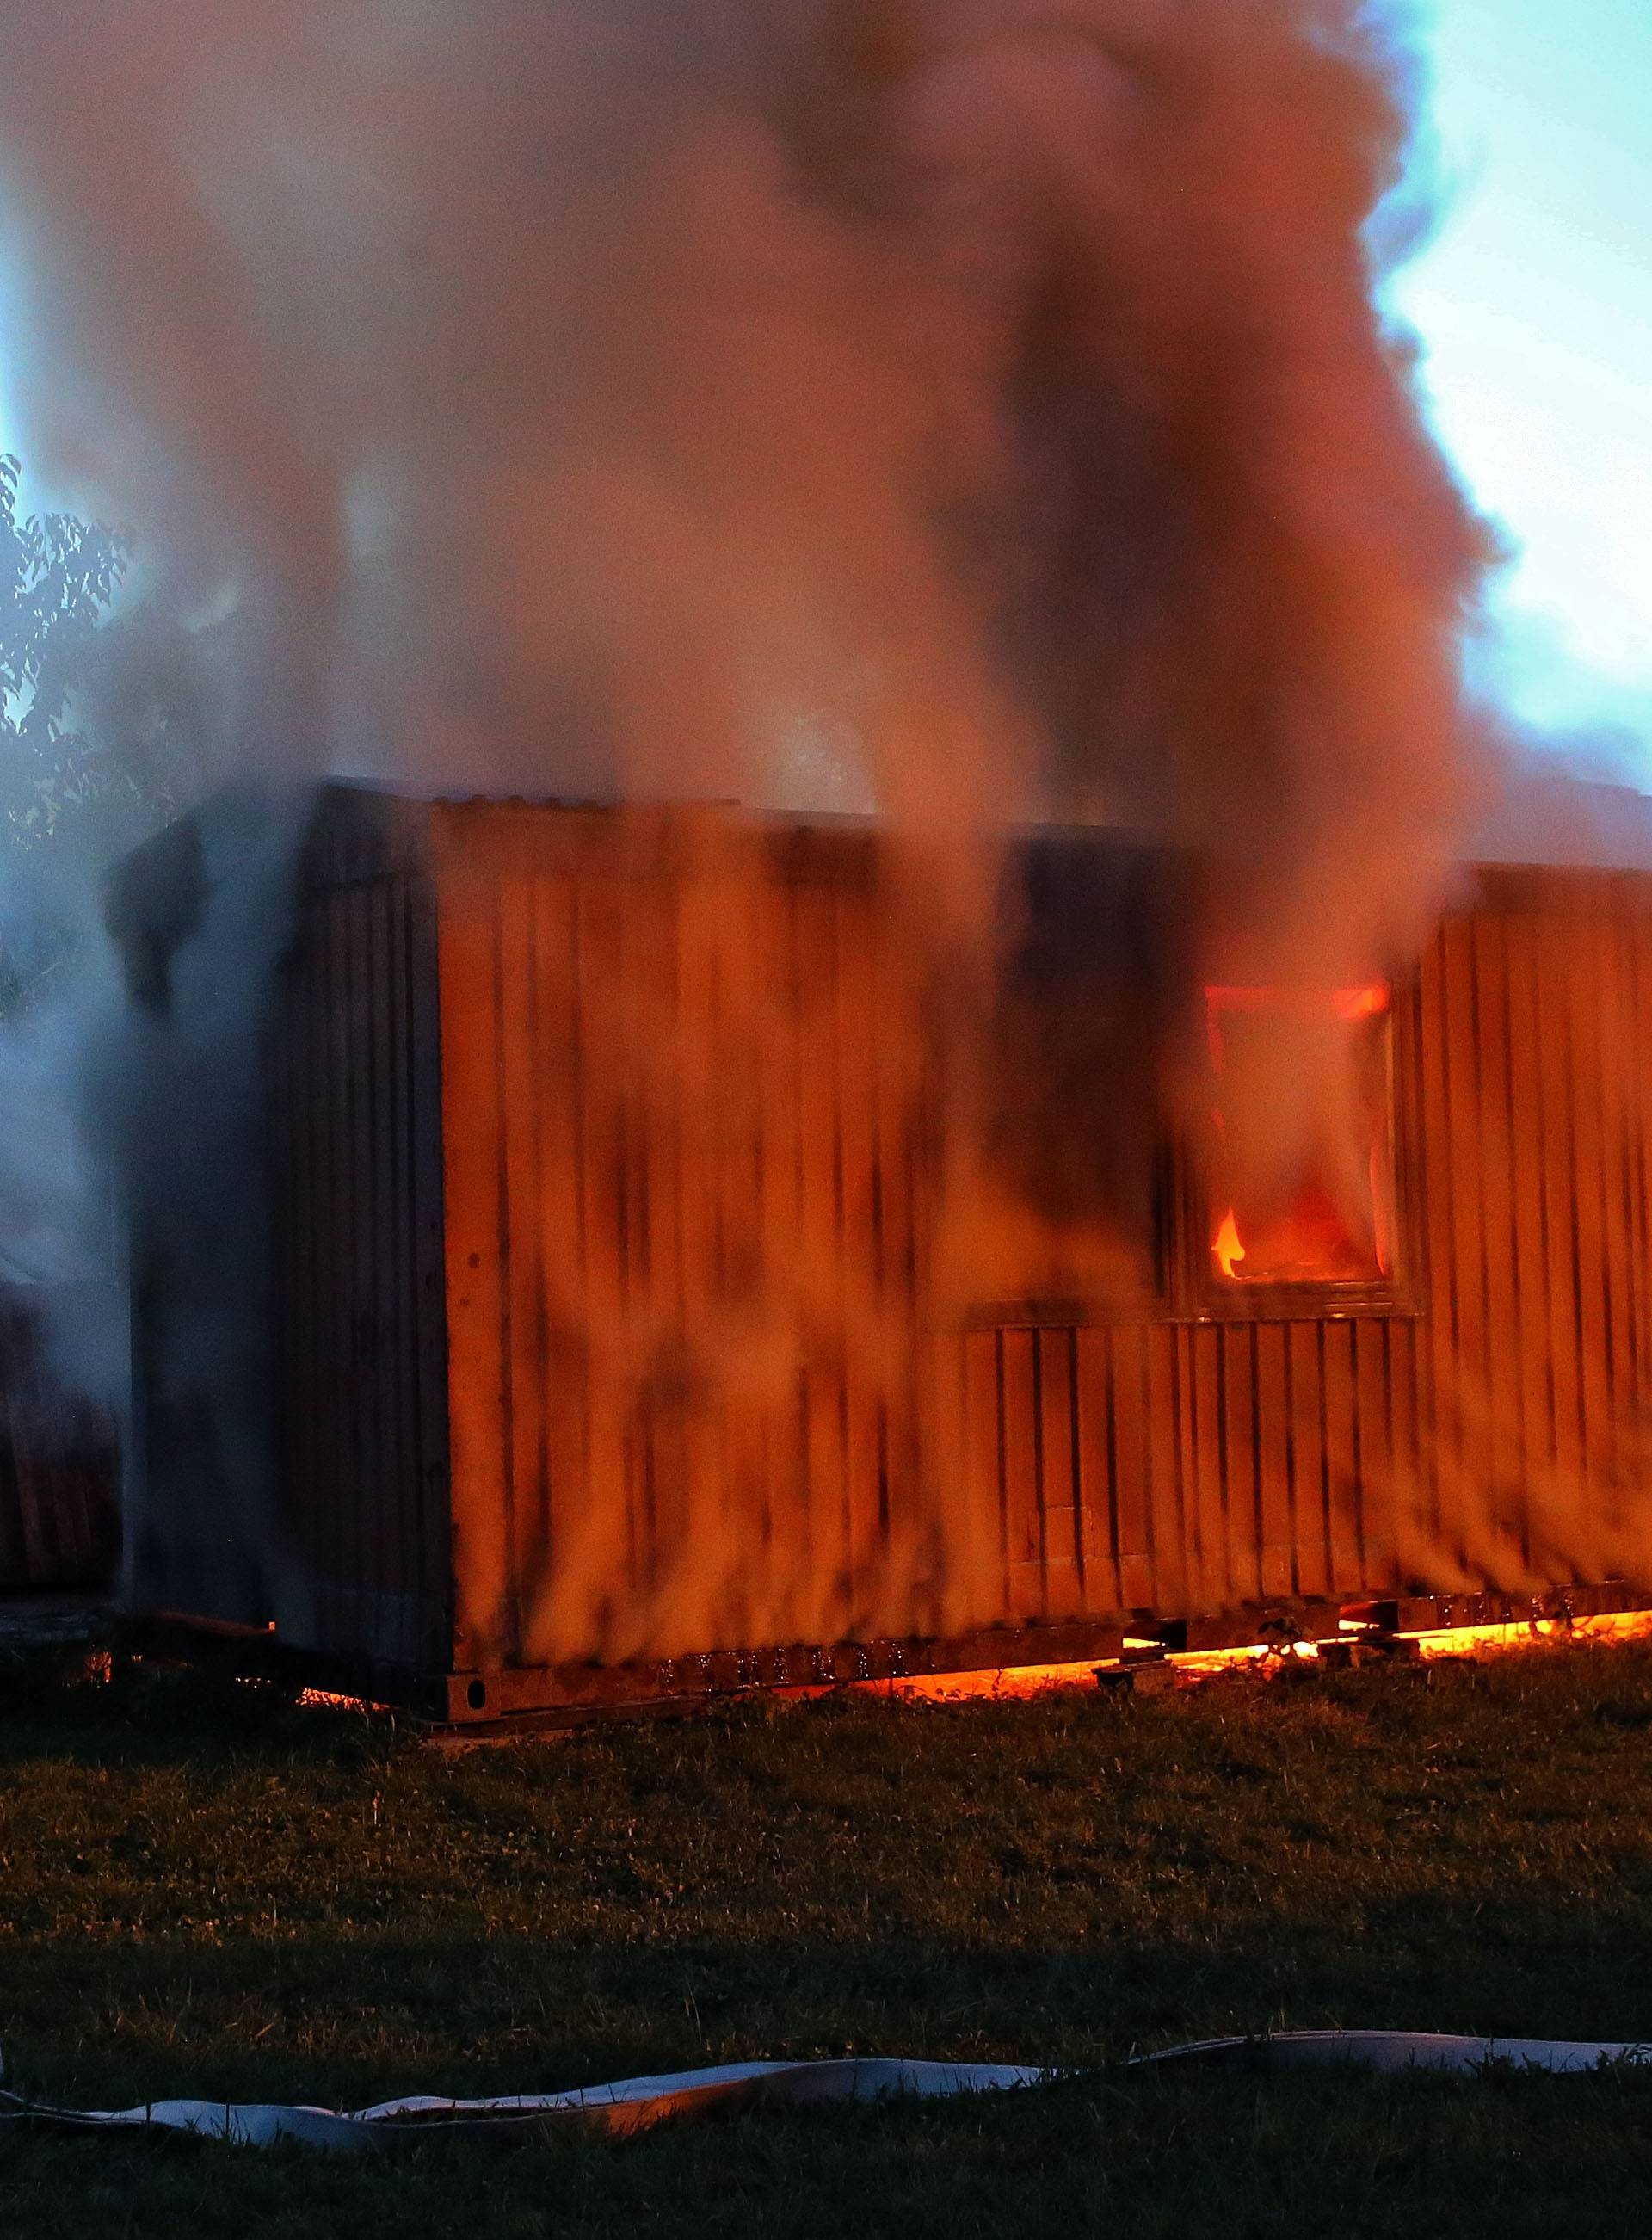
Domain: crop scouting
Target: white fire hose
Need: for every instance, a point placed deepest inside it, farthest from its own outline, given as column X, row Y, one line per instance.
column 637, row 2103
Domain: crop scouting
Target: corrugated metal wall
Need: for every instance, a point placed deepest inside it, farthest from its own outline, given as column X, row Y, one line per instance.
column 357, row 1259
column 1501, row 1436
column 1538, row 1095
column 684, row 1146
column 59, row 1499
column 645, row 1129
column 676, row 1164
column 1171, row 1468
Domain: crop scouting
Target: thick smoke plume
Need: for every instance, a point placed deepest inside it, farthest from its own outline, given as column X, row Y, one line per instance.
column 597, row 398
column 965, row 411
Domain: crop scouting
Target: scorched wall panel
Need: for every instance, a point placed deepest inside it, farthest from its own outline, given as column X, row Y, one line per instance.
column 681, row 1143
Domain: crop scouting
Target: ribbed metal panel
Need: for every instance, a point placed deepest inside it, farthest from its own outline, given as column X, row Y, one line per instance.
column 358, row 1267
column 613, row 1199
column 59, row 1507
column 681, row 1120
column 1165, row 1468
column 1500, row 1437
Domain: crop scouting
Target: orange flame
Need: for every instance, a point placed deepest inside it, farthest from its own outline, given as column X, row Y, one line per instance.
column 1353, row 1004
column 1228, row 1249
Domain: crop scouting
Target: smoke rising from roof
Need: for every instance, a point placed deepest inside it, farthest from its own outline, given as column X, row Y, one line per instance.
column 969, row 412
column 596, row 398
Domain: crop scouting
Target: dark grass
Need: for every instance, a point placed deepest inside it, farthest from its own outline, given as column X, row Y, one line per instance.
column 204, row 1893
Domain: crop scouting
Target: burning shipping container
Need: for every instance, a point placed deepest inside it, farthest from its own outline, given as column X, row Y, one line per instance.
column 640, row 1295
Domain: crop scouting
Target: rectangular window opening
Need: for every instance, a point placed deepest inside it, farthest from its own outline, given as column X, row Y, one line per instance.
column 1302, row 1184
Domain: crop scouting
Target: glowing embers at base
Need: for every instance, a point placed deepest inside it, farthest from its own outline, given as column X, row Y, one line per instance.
column 324, row 1699
column 1312, row 1070
column 1472, row 1640
column 1186, row 1669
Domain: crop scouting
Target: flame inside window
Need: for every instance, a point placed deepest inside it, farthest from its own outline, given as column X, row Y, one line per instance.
column 1302, row 1154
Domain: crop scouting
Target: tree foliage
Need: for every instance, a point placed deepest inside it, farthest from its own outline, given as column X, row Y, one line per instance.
column 58, row 579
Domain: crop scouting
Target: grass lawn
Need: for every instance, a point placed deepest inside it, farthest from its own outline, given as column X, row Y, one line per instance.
column 204, row 1893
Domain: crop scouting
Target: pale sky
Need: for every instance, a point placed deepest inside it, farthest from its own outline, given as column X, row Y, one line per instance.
column 1534, row 304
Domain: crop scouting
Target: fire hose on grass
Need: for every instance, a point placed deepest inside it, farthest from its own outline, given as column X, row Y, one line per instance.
column 636, row 2103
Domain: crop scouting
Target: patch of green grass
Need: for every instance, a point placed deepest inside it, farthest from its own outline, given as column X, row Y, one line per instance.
column 203, row 1893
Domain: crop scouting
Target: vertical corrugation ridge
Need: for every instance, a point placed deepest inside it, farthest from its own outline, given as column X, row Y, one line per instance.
column 1252, row 1339
column 1630, row 1140
column 1150, row 1473
column 360, row 1371
column 1363, row 1332
column 427, row 1157
column 1188, row 1448
column 1326, row 1524
column 1040, row 1490
column 1004, row 1466
column 840, row 1230
column 1520, row 1246
column 1446, row 1197
column 1545, row 1244
column 1569, row 1050
column 338, row 1235
column 400, row 1279
column 1114, row 1540
column 1223, row 1470
column 542, row 1037
column 1476, row 930
column 1081, row 1492
column 1605, row 1009
column 507, row 1247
